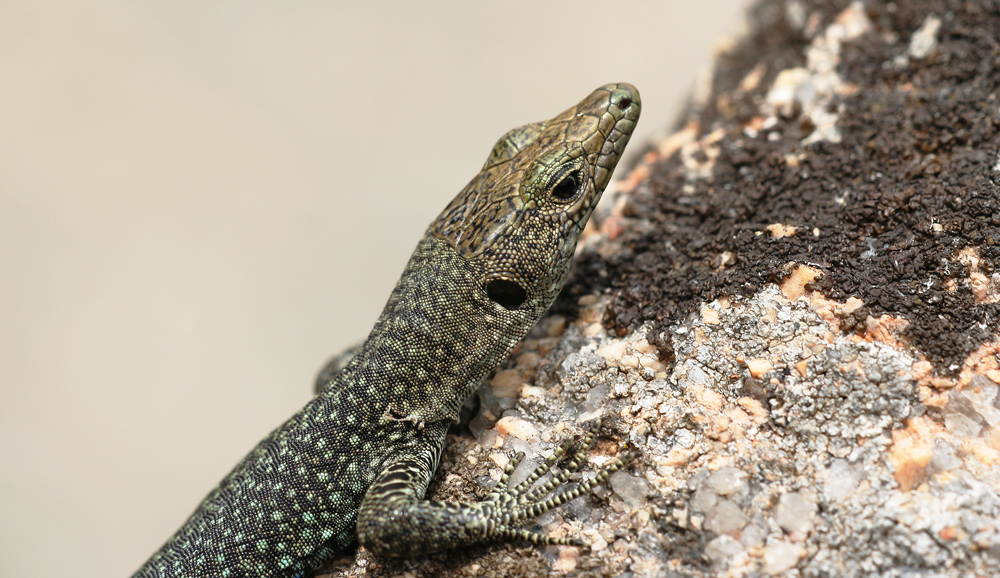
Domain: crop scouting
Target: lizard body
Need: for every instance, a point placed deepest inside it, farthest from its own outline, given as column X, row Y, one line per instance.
column 354, row 463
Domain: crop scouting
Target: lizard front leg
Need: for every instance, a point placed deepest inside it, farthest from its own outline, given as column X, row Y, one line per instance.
column 395, row 520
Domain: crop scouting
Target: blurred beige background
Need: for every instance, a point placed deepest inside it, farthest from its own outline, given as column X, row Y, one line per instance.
column 201, row 201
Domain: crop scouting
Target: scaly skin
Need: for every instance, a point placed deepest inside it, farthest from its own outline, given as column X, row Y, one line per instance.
column 354, row 463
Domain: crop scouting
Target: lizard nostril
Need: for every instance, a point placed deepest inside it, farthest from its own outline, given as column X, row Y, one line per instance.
column 506, row 294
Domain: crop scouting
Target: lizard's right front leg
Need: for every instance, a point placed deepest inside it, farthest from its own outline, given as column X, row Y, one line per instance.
column 394, row 520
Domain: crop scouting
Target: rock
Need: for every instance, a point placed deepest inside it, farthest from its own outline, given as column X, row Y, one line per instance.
column 754, row 533
column 780, row 556
column 727, row 481
column 722, row 549
column 631, row 489
column 822, row 403
column 726, row 518
column 519, row 428
column 842, row 479
column 507, row 383
column 758, row 367
column 794, row 514
column 924, row 39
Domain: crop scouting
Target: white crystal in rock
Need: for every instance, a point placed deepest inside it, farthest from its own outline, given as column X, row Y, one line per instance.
column 842, row 479
column 726, row 518
column 631, row 489
column 780, row 556
column 722, row 549
column 794, row 513
column 727, row 481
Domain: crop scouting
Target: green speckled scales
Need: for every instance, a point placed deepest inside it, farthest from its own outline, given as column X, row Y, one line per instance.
column 354, row 463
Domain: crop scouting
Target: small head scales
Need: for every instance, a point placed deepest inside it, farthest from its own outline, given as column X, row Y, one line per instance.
column 536, row 192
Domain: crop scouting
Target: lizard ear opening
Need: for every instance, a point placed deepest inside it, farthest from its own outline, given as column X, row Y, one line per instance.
column 506, row 294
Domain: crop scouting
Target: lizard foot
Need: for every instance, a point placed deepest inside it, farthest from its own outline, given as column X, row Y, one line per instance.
column 515, row 505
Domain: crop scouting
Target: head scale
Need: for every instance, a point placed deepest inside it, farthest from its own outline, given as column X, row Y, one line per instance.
column 519, row 219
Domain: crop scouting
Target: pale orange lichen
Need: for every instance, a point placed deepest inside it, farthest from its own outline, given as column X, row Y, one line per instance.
column 778, row 230
column 993, row 437
column 982, row 452
column 639, row 174
column 824, row 308
column 699, row 157
column 982, row 361
column 738, row 417
column 676, row 457
column 847, row 89
column 758, row 367
column 984, row 289
column 911, row 452
column 793, row 160
column 757, row 411
column 674, row 142
column 612, row 227
column 507, row 383
column 794, row 286
column 519, row 428
column 718, row 429
column 710, row 400
column 932, row 397
column 980, row 286
column 567, row 560
column 755, row 124
column 885, row 329
column 752, row 79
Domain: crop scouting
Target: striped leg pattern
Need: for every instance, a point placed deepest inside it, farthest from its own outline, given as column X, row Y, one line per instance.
column 521, row 503
column 394, row 520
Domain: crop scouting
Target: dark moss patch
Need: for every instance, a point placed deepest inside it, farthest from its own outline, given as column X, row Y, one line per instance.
column 911, row 184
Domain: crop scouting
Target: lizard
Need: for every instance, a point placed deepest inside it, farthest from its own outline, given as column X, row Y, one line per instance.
column 354, row 463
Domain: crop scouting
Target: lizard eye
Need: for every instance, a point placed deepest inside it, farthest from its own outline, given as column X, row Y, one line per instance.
column 568, row 187
column 506, row 294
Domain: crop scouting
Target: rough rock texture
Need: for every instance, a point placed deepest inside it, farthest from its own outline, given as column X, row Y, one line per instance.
column 790, row 311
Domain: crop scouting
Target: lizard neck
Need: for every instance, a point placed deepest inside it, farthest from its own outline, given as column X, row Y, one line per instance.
column 438, row 337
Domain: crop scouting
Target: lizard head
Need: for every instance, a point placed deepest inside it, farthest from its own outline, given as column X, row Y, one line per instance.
column 519, row 219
